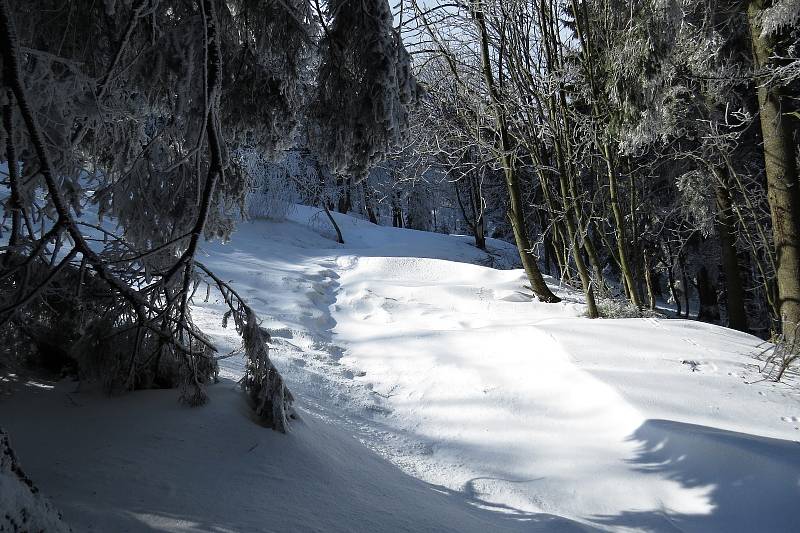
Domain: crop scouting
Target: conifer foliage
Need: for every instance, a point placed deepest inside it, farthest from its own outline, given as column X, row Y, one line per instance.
column 133, row 108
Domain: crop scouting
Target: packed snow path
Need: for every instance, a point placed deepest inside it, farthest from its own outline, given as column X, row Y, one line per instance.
column 492, row 412
column 449, row 370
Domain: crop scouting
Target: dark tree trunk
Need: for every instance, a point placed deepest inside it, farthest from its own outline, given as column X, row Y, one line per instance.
column 480, row 234
column 344, row 203
column 675, row 296
column 336, row 228
column 369, row 203
column 707, row 294
column 685, row 283
column 783, row 182
column 652, row 288
column 726, row 227
column 397, row 216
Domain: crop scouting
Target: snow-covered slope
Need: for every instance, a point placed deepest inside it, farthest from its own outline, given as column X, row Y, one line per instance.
column 487, row 411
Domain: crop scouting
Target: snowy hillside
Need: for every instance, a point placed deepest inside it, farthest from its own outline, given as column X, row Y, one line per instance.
column 433, row 395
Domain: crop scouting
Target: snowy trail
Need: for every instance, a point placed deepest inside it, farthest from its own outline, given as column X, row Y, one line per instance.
column 447, row 370
column 496, row 407
column 490, row 412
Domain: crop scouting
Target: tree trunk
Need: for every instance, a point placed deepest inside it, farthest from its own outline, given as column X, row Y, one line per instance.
column 515, row 212
column 675, row 296
column 548, row 255
column 619, row 222
column 594, row 261
column 397, row 216
column 480, row 233
column 726, row 226
column 344, row 203
column 14, row 203
column 476, row 220
column 561, row 253
column 783, row 184
column 479, row 211
column 684, row 282
column 572, row 219
column 651, row 285
column 369, row 204
column 517, row 219
column 553, row 243
column 707, row 295
column 336, row 228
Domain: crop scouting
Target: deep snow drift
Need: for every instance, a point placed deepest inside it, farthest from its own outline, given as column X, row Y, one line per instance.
column 491, row 412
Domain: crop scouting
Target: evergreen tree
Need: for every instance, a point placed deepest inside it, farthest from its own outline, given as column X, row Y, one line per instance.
column 141, row 108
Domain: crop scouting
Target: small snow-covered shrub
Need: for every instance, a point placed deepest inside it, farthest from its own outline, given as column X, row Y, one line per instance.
column 615, row 308
column 784, row 355
column 22, row 506
column 272, row 192
column 91, row 337
column 268, row 203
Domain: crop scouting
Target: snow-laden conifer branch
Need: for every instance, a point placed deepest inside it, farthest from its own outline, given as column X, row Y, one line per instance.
column 137, row 129
column 263, row 383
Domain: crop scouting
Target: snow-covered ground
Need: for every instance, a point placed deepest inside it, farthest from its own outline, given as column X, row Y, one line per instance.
column 434, row 395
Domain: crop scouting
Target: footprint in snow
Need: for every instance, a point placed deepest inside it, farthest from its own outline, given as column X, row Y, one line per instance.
column 790, row 419
column 698, row 366
column 694, row 365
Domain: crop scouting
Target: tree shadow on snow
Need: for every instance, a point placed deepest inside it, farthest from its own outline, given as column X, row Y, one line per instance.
column 143, row 462
column 735, row 481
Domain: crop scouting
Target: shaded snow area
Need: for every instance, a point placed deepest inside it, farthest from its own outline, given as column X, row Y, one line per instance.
column 433, row 395
column 22, row 505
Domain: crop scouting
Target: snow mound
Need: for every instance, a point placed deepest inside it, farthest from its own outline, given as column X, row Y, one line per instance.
column 23, row 506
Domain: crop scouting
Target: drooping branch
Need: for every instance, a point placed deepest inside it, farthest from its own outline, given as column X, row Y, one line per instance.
column 263, row 383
